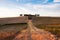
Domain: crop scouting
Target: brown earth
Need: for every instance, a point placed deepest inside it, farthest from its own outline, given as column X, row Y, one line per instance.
column 51, row 24
column 32, row 33
column 8, row 32
column 28, row 33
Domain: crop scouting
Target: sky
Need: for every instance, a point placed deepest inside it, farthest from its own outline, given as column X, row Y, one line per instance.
column 13, row 8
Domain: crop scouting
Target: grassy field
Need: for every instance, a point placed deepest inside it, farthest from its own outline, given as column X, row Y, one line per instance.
column 9, row 31
column 54, row 29
column 51, row 24
column 41, row 23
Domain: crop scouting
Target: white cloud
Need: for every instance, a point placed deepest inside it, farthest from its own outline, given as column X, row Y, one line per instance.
column 44, row 10
column 13, row 12
column 56, row 0
column 45, row 1
column 7, row 12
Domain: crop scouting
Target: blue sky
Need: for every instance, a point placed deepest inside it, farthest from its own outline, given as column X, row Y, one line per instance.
column 10, row 8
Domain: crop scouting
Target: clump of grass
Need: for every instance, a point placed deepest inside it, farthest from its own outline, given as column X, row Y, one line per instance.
column 53, row 29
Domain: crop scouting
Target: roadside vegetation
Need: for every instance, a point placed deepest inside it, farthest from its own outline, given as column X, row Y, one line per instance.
column 9, row 31
column 53, row 29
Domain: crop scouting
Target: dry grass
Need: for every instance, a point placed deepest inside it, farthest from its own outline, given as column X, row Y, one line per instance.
column 8, row 32
column 51, row 24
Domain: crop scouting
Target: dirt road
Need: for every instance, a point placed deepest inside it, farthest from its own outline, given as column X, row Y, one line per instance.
column 33, row 33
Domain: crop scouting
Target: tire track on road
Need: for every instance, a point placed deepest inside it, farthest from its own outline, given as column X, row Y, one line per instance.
column 33, row 33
